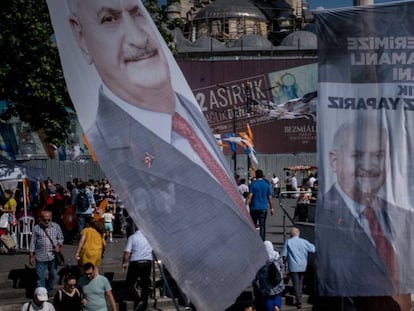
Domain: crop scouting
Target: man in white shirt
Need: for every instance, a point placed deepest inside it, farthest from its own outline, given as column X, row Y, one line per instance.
column 295, row 185
column 139, row 253
column 40, row 301
column 276, row 186
column 243, row 187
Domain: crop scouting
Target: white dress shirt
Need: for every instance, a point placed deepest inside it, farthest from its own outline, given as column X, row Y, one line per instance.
column 139, row 247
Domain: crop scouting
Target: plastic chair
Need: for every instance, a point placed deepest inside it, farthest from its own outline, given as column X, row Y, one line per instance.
column 25, row 230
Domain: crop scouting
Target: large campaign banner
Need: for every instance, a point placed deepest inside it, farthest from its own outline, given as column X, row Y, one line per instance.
column 276, row 97
column 156, row 148
column 365, row 123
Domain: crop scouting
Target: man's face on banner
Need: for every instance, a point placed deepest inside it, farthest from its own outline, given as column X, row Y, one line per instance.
column 117, row 38
column 361, row 162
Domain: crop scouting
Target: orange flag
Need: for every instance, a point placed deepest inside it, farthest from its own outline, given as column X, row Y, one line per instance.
column 86, row 142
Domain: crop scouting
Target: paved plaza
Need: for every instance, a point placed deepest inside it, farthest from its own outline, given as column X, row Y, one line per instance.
column 113, row 255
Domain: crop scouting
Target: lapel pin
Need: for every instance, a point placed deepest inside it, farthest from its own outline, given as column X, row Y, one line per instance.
column 148, row 159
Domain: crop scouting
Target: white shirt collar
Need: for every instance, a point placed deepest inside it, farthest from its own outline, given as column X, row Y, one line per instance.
column 146, row 117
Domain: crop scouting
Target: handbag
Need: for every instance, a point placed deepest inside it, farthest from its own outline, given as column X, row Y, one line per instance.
column 59, row 258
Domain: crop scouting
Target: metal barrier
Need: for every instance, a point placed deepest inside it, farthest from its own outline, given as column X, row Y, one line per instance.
column 169, row 287
column 292, row 221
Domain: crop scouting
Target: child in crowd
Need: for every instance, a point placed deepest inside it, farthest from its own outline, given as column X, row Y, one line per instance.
column 108, row 218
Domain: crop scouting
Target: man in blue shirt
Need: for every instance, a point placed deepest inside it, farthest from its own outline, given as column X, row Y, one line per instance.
column 259, row 199
column 86, row 212
column 96, row 290
column 295, row 251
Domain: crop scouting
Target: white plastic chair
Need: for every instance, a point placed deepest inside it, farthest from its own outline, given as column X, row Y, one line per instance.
column 25, row 230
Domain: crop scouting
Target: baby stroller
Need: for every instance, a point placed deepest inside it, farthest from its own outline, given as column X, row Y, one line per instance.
column 7, row 241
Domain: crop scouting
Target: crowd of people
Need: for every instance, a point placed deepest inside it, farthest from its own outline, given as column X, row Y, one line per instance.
column 71, row 206
column 270, row 280
column 258, row 193
column 91, row 291
column 84, row 213
column 269, row 284
column 55, row 214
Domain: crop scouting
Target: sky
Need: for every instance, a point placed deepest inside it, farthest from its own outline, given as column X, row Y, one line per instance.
column 331, row 4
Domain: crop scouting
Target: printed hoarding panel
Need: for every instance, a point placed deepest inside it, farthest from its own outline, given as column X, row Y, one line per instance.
column 364, row 220
column 277, row 98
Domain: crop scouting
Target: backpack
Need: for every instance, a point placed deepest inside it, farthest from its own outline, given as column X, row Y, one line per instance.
column 82, row 201
column 274, row 277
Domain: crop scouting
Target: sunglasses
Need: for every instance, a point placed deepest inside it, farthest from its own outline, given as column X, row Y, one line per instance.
column 72, row 285
column 46, row 220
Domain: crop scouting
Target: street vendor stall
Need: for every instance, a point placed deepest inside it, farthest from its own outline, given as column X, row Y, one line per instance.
column 18, row 178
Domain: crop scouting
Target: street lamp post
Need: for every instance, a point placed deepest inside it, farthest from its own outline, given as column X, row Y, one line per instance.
column 235, row 146
column 248, row 107
column 248, row 96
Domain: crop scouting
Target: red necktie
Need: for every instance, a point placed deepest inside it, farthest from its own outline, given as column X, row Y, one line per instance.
column 184, row 129
column 384, row 247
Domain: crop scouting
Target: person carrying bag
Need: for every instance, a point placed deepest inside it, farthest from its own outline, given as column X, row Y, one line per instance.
column 59, row 258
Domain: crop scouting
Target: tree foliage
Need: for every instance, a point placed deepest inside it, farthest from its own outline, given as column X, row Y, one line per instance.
column 159, row 15
column 31, row 78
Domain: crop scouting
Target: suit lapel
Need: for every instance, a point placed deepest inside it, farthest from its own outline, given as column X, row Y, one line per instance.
column 347, row 225
column 125, row 136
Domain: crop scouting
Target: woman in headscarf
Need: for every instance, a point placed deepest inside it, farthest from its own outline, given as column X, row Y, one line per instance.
column 270, row 279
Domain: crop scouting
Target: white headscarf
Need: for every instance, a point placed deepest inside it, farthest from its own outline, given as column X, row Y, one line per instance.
column 272, row 254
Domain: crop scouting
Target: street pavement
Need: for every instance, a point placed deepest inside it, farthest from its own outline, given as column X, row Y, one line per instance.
column 277, row 228
column 113, row 253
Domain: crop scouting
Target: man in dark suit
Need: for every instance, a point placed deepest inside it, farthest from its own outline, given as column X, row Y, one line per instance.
column 179, row 193
column 363, row 240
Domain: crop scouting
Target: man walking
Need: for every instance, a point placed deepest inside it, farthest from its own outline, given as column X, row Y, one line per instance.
column 47, row 238
column 85, row 205
column 260, row 199
column 139, row 253
column 295, row 251
column 276, row 186
column 96, row 290
column 242, row 187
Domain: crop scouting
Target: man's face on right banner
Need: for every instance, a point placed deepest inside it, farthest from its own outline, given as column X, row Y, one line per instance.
column 361, row 163
column 118, row 39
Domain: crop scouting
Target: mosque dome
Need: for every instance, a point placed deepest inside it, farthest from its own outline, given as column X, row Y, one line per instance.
column 304, row 40
column 207, row 42
column 174, row 8
column 220, row 9
column 253, row 41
